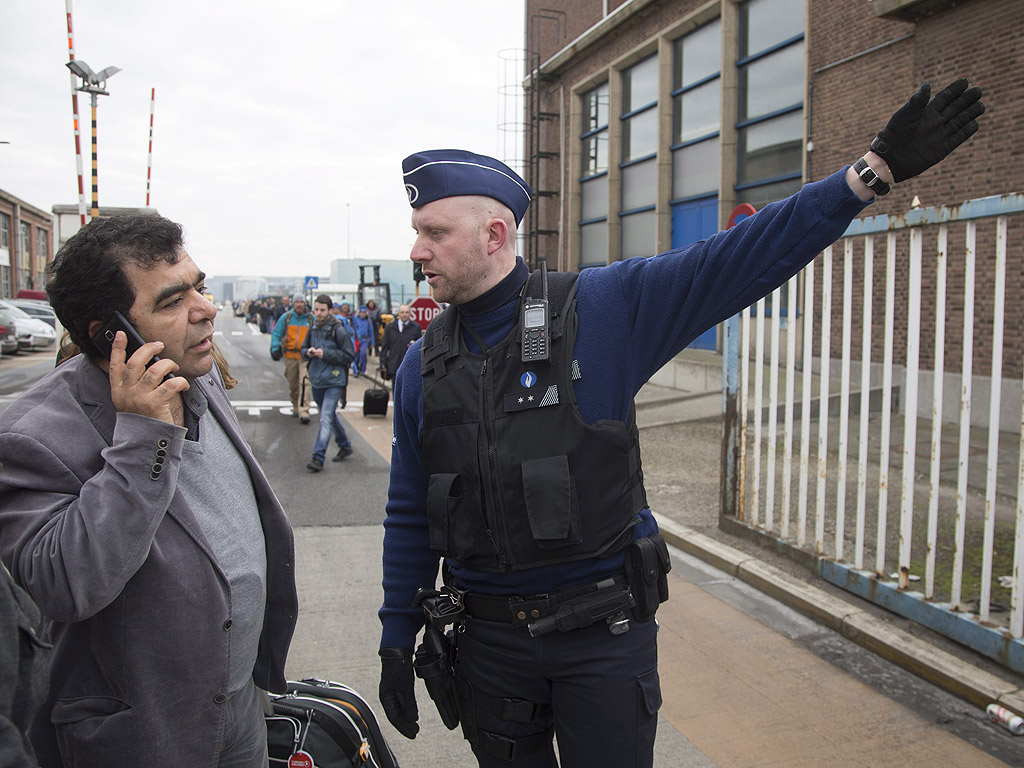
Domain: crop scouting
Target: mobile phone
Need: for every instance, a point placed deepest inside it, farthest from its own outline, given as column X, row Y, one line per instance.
column 104, row 339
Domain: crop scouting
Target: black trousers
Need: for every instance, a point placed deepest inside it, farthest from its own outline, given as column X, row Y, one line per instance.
column 602, row 690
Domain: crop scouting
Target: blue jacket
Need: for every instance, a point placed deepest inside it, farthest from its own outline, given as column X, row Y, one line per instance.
column 668, row 301
column 332, row 369
column 363, row 327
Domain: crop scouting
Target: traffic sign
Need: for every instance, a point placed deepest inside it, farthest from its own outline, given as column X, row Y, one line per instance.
column 423, row 310
column 739, row 213
column 312, row 282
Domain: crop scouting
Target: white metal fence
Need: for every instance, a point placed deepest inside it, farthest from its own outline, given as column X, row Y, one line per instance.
column 911, row 490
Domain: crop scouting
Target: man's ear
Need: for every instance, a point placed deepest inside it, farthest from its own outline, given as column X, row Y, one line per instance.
column 497, row 235
column 94, row 326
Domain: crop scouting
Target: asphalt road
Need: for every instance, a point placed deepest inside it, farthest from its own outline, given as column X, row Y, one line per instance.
column 283, row 445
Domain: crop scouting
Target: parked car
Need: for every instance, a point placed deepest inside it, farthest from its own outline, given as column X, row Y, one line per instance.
column 8, row 335
column 37, row 309
column 31, row 333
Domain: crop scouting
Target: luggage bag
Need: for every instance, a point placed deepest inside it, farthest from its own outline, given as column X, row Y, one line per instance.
column 327, row 725
column 375, row 400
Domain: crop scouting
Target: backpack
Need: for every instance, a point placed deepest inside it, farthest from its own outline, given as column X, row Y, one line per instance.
column 346, row 356
column 326, row 725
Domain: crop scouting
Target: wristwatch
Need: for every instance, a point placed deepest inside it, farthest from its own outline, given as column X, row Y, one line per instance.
column 869, row 177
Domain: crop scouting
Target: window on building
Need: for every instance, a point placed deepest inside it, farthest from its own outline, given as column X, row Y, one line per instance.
column 25, row 256
column 696, row 110
column 639, row 158
column 770, row 109
column 5, row 231
column 594, row 180
column 42, row 245
column 5, row 282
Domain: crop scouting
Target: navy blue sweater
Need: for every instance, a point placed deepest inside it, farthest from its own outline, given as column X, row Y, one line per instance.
column 634, row 316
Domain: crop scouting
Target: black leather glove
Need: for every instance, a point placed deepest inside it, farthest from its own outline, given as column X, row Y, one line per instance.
column 396, row 690
column 923, row 132
column 276, row 353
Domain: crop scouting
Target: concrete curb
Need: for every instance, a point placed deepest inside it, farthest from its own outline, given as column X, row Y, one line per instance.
column 891, row 643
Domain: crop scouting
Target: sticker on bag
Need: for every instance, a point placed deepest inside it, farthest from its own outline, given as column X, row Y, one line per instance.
column 301, row 759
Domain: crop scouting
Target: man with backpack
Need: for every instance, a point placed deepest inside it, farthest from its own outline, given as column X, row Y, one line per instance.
column 287, row 340
column 329, row 351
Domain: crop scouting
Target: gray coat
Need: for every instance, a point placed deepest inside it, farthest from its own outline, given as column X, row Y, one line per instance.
column 23, row 660
column 91, row 524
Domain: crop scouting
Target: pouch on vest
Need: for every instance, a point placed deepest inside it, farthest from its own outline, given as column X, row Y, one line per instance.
column 450, row 510
column 550, row 502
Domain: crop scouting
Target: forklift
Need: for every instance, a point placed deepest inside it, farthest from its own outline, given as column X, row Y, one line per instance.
column 376, row 290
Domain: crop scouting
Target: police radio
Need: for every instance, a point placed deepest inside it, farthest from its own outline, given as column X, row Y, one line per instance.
column 536, row 323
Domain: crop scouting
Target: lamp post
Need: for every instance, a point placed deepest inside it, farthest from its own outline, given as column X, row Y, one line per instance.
column 93, row 83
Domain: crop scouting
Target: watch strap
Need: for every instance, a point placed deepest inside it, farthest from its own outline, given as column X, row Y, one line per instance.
column 869, row 177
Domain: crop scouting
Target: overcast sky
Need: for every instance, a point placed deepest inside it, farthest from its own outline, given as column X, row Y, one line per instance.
column 276, row 123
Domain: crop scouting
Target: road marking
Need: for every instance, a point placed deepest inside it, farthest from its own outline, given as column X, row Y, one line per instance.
column 284, row 407
column 236, row 333
column 255, row 329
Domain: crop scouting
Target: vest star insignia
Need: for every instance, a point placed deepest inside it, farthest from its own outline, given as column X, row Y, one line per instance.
column 520, row 401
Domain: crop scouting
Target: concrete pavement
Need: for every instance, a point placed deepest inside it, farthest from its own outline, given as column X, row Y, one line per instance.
column 747, row 681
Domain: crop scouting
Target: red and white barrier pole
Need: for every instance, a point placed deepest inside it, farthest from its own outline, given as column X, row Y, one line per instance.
column 149, row 163
column 74, row 109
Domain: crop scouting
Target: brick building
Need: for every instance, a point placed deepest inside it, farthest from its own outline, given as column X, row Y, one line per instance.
column 649, row 121
column 26, row 246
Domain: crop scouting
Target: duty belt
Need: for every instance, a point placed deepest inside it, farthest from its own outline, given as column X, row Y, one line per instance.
column 524, row 611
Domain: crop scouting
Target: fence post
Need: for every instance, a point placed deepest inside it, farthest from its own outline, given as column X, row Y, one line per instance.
column 730, row 417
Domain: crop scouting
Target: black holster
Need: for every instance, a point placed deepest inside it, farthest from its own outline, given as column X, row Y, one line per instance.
column 434, row 659
column 647, row 566
column 433, row 665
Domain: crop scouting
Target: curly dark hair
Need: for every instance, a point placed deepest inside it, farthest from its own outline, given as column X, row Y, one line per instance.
column 86, row 279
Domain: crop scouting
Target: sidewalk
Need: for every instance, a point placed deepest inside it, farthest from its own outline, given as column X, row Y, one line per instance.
column 737, row 693
column 742, row 686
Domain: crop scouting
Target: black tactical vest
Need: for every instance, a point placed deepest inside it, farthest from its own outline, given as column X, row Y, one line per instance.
column 516, row 478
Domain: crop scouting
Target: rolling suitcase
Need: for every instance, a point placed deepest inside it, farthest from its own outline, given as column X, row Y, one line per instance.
column 326, row 725
column 375, row 400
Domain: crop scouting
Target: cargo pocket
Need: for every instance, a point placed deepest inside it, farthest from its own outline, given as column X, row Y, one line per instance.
column 648, row 703
column 550, row 499
column 650, row 692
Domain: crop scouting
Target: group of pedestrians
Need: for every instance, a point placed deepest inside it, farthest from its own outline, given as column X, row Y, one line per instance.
column 320, row 347
column 265, row 312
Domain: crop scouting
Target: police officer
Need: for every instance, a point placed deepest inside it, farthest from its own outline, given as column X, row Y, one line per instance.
column 515, row 454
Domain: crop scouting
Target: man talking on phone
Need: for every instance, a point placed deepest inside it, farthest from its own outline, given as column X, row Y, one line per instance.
column 135, row 515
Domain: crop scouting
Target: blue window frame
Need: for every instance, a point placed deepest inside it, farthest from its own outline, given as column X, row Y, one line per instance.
column 770, row 110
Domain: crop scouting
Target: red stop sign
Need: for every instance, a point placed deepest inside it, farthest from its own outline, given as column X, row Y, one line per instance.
column 423, row 310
